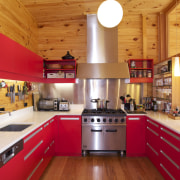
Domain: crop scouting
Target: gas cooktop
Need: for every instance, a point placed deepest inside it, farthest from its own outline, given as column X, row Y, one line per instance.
column 103, row 112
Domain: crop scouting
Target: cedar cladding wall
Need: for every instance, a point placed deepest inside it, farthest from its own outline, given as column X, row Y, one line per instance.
column 17, row 24
column 55, row 39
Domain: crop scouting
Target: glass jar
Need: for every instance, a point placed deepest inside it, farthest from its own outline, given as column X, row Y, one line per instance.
column 145, row 73
column 133, row 64
column 140, row 73
column 149, row 74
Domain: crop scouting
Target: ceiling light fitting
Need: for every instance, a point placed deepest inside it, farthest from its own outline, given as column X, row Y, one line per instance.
column 110, row 13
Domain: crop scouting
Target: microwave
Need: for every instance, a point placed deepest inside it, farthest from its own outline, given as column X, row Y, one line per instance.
column 48, row 104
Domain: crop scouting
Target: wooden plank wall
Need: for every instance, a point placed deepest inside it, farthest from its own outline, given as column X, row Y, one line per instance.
column 17, row 23
column 5, row 102
column 55, row 39
column 174, row 31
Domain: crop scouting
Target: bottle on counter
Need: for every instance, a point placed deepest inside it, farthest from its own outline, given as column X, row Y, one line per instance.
column 131, row 106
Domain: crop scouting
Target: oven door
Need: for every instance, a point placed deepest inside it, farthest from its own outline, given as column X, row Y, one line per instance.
column 103, row 137
column 114, row 137
column 92, row 137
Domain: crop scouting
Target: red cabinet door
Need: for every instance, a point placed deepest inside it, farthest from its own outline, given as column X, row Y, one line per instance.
column 135, row 136
column 19, row 62
column 69, row 136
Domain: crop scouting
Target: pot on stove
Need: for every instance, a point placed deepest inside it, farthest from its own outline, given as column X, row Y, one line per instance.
column 101, row 103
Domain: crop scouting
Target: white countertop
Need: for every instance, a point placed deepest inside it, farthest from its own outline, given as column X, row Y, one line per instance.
column 162, row 119
column 37, row 118
column 28, row 116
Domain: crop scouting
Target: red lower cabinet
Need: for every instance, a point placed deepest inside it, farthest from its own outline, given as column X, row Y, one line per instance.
column 153, row 141
column 13, row 168
column 169, row 153
column 69, row 136
column 135, row 136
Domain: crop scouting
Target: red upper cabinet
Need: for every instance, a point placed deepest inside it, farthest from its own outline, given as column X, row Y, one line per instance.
column 60, row 71
column 18, row 62
column 141, row 70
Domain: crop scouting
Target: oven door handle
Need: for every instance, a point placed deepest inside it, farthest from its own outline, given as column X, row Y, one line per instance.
column 96, row 130
column 111, row 130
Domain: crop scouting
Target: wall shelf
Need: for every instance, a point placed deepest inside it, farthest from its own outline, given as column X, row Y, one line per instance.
column 141, row 70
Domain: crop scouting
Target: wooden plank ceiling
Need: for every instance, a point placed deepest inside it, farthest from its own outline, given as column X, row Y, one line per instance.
column 57, row 10
column 62, row 27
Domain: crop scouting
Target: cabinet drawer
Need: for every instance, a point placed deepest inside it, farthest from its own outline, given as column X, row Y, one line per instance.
column 33, row 138
column 171, row 136
column 152, row 154
column 172, row 166
column 32, row 157
column 152, row 137
column 165, row 172
column 153, row 125
column 171, row 149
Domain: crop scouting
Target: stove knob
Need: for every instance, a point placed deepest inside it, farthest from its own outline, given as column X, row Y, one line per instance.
column 85, row 119
column 110, row 120
column 92, row 120
column 116, row 120
column 104, row 120
column 122, row 120
column 98, row 120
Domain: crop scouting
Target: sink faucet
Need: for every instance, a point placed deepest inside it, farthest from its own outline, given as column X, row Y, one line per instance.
column 6, row 112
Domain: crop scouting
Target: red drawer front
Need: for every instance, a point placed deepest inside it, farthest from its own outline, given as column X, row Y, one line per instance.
column 172, row 167
column 153, row 155
column 33, row 138
column 153, row 125
column 32, row 157
column 171, row 149
column 166, row 173
column 170, row 136
column 153, row 138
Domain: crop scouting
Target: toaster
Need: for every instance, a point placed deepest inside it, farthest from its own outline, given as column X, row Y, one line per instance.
column 64, row 106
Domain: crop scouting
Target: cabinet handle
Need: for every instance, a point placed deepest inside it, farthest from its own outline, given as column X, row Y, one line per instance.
column 52, row 143
column 34, row 170
column 170, row 144
column 134, row 119
column 46, row 150
column 32, row 135
column 167, row 172
column 111, row 130
column 26, row 157
column 46, row 125
column 94, row 130
column 152, row 149
column 152, row 123
column 69, row 118
column 165, row 155
column 170, row 133
column 52, row 120
column 152, row 131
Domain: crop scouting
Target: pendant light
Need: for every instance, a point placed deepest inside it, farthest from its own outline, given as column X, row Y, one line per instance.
column 110, row 13
column 176, row 63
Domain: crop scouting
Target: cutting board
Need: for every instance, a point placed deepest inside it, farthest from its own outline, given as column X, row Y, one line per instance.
column 174, row 117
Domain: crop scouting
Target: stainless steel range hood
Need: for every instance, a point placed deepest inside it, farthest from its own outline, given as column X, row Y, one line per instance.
column 102, row 53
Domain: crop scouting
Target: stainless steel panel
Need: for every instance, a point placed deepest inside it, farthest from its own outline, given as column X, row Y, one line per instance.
column 86, row 89
column 103, row 137
column 92, row 137
column 102, row 70
column 102, row 43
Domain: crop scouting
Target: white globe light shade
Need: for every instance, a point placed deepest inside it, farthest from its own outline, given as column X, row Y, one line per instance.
column 110, row 13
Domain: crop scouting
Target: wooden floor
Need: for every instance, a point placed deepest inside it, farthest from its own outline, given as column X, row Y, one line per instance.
column 101, row 168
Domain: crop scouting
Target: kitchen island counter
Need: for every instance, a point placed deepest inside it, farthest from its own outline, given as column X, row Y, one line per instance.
column 28, row 116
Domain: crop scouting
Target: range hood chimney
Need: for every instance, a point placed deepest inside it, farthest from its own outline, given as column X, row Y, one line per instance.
column 102, row 53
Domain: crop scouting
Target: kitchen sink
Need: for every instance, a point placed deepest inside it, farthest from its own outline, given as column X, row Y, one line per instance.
column 15, row 127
